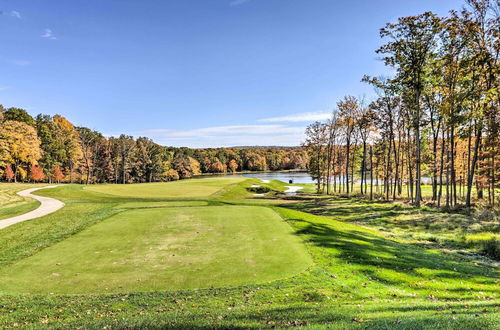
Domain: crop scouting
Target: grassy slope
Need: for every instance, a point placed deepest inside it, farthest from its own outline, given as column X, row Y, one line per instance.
column 425, row 225
column 361, row 278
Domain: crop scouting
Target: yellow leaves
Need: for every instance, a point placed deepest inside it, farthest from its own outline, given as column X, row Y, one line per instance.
column 19, row 143
column 63, row 123
column 22, row 173
column 68, row 136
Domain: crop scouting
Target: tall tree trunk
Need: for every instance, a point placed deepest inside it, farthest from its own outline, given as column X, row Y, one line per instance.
column 410, row 167
column 448, row 170
column 15, row 172
column 396, row 162
column 441, row 168
column 348, row 149
column 388, row 171
column 418, row 190
column 435, row 136
column 453, row 200
column 88, row 173
column 124, row 169
column 371, row 173
column 363, row 164
column 352, row 169
column 470, row 175
column 492, row 173
column 318, row 173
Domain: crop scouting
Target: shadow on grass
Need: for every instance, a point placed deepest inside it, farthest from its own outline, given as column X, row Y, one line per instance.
column 394, row 263
column 320, row 316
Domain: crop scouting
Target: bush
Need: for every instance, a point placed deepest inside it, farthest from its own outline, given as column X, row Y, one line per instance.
column 171, row 175
column 259, row 190
column 491, row 248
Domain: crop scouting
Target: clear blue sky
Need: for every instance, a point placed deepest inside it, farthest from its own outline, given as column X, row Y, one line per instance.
column 194, row 72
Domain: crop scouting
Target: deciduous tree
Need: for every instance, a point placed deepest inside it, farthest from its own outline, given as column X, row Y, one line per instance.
column 19, row 145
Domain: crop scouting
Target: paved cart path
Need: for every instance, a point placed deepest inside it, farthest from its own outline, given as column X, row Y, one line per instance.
column 48, row 205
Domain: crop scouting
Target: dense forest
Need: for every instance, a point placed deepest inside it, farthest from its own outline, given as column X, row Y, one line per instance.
column 51, row 149
column 436, row 119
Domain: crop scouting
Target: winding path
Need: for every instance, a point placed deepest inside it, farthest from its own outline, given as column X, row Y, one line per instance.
column 47, row 205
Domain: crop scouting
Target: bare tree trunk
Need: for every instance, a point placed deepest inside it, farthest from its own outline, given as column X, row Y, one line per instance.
column 363, row 168
column 352, row 168
column 348, row 149
column 470, row 175
column 396, row 176
column 441, row 168
column 453, row 200
column 371, row 173
column 15, row 172
column 328, row 169
column 492, row 176
column 318, row 173
column 70, row 171
column 434, row 168
column 388, row 171
column 124, row 169
column 418, row 190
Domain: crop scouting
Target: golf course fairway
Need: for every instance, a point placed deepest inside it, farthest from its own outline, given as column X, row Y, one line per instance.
column 164, row 248
column 208, row 253
column 184, row 188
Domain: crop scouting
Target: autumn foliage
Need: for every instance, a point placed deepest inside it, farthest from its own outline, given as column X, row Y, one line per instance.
column 233, row 165
column 9, row 173
column 171, row 175
column 52, row 144
column 57, row 174
column 36, row 173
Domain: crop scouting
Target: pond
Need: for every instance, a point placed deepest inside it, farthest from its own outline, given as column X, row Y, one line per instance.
column 302, row 177
column 297, row 177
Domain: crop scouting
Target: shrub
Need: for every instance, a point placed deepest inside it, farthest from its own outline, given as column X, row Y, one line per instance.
column 171, row 175
column 259, row 190
column 491, row 248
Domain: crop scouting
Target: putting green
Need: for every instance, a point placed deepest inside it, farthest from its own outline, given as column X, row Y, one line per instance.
column 162, row 249
column 184, row 188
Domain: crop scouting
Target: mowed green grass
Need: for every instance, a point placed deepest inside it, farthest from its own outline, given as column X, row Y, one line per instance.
column 164, row 249
column 359, row 277
column 186, row 188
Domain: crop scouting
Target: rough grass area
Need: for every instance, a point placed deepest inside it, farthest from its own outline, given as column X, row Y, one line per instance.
column 367, row 271
column 423, row 226
column 11, row 204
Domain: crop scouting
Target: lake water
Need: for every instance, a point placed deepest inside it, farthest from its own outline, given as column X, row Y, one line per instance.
column 301, row 177
column 297, row 177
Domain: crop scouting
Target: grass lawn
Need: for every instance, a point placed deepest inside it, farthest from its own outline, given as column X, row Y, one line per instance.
column 192, row 188
column 224, row 258
column 164, row 248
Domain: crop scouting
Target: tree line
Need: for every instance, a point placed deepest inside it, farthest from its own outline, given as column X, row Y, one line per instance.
column 51, row 149
column 436, row 118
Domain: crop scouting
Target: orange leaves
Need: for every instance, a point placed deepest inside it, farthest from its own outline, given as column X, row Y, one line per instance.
column 57, row 174
column 9, row 173
column 36, row 173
